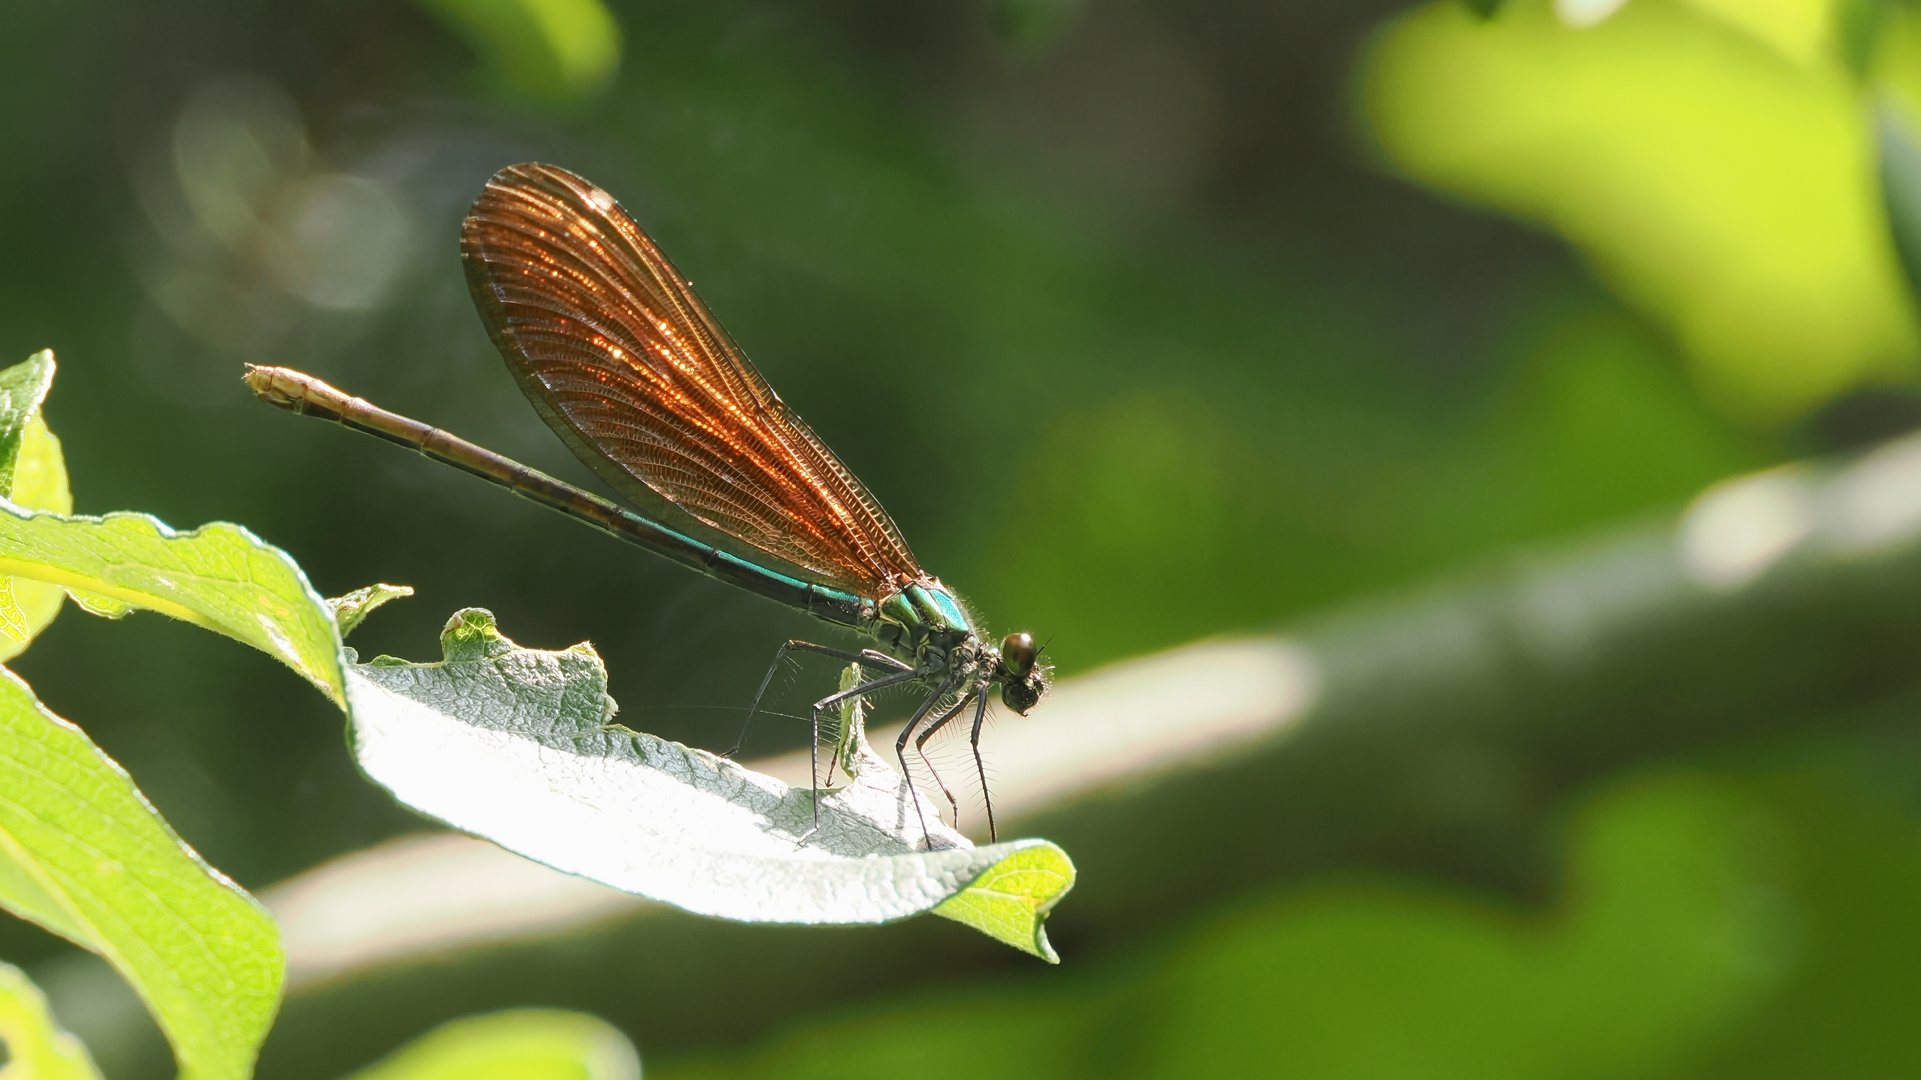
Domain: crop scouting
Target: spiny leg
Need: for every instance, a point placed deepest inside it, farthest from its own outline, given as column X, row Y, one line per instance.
column 900, row 749
column 980, row 716
column 780, row 654
column 920, row 746
column 834, row 758
column 834, row 699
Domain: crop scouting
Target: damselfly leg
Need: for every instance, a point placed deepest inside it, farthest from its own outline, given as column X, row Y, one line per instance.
column 977, row 695
column 865, row 656
column 907, row 732
column 987, row 797
column 832, row 701
column 920, row 747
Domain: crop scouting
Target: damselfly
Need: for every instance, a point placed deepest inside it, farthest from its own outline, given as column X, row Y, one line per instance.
column 620, row 357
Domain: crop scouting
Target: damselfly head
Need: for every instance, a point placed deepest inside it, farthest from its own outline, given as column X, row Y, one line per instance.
column 1023, row 681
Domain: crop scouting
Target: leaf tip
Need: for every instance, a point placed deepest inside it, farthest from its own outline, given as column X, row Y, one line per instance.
column 1010, row 900
column 351, row 610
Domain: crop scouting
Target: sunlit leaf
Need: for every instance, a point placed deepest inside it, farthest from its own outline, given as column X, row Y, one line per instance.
column 1858, row 29
column 1901, row 187
column 351, row 609
column 37, row 1048
column 219, row 576
column 23, row 387
column 13, row 621
column 1582, row 14
column 1720, row 185
column 104, row 606
column 556, row 49
column 33, row 474
column 524, row 1044
column 83, row 854
column 519, row 746
column 1010, row 900
column 1803, row 31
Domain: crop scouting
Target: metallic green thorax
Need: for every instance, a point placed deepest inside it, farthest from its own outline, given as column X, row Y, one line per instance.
column 921, row 615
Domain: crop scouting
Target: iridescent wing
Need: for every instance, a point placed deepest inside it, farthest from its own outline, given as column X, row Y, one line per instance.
column 625, row 363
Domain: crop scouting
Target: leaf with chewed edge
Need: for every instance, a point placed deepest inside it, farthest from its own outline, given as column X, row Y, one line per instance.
column 519, row 746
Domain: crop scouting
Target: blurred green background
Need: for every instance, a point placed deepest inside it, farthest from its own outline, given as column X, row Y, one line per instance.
column 1147, row 321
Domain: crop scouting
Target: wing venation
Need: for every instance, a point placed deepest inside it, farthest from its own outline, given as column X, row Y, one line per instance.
column 628, row 366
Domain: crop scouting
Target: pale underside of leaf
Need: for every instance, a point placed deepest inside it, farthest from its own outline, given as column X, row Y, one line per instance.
column 518, row 745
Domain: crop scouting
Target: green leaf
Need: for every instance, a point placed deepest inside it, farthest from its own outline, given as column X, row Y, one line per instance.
column 13, row 621
column 37, row 1048
column 555, row 49
column 219, row 576
column 22, row 388
column 104, row 606
column 1857, row 27
column 1760, row 251
column 351, row 609
column 85, row 855
column 33, row 474
column 523, row 1044
column 1901, row 187
column 1009, row 901
column 519, row 746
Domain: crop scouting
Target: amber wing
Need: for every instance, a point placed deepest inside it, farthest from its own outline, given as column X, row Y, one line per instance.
column 622, row 359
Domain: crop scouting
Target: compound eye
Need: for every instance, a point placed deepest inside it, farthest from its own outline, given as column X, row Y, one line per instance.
column 1018, row 654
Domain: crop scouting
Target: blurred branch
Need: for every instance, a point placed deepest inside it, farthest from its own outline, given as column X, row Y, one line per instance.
column 1430, row 732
